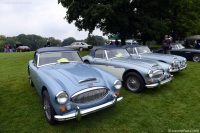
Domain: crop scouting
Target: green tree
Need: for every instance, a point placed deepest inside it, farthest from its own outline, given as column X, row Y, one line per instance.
column 54, row 42
column 2, row 42
column 185, row 18
column 95, row 40
column 68, row 41
column 126, row 18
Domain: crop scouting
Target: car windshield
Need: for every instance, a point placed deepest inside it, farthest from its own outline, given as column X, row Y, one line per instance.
column 180, row 46
column 117, row 53
column 141, row 50
column 83, row 43
column 58, row 57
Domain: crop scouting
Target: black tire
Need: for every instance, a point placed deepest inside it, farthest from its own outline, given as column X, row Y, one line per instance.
column 134, row 82
column 86, row 62
column 29, row 77
column 48, row 108
column 80, row 49
column 196, row 58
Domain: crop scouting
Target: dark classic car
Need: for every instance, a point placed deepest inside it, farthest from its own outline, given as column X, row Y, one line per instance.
column 70, row 88
column 179, row 49
column 135, row 73
column 138, row 51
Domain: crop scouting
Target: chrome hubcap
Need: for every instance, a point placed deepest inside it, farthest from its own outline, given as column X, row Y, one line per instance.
column 133, row 83
column 196, row 58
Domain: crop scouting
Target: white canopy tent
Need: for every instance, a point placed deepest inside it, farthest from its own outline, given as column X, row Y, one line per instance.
column 193, row 37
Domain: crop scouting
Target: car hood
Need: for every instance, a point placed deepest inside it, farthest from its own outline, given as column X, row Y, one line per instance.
column 187, row 49
column 158, row 56
column 139, row 62
column 77, row 73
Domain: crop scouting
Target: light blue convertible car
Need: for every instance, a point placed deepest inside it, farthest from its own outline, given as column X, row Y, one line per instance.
column 135, row 73
column 177, row 62
column 70, row 88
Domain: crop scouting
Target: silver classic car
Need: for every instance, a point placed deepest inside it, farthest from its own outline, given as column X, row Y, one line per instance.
column 177, row 62
column 68, row 87
column 79, row 46
column 135, row 73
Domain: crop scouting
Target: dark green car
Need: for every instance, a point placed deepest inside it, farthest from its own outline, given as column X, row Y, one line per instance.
column 179, row 49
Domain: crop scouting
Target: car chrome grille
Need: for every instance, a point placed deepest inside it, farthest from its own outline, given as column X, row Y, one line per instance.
column 89, row 95
column 157, row 74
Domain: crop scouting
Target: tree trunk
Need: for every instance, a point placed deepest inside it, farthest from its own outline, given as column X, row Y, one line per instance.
column 123, row 42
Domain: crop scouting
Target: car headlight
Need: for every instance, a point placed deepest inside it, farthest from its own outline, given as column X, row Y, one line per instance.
column 62, row 97
column 117, row 84
column 185, row 60
column 150, row 73
column 170, row 68
column 174, row 63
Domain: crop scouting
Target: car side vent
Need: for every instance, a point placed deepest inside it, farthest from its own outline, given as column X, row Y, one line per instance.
column 155, row 65
column 86, row 80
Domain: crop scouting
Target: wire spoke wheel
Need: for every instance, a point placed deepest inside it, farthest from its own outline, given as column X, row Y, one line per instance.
column 47, row 108
column 196, row 58
column 133, row 83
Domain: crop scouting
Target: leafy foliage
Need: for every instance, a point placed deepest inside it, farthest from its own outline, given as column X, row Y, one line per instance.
column 68, row 41
column 33, row 41
column 95, row 40
column 135, row 18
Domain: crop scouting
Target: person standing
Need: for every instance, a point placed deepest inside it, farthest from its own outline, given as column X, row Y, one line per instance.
column 4, row 47
column 10, row 48
column 7, row 48
column 116, row 42
column 166, row 45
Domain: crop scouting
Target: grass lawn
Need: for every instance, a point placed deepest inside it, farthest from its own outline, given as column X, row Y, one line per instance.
column 173, row 106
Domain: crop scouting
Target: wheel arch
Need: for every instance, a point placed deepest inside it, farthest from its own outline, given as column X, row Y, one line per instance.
column 132, row 70
column 85, row 61
column 43, row 89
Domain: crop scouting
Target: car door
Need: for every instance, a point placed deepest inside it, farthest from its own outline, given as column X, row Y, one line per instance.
column 73, row 45
column 101, row 61
column 34, row 72
column 181, row 52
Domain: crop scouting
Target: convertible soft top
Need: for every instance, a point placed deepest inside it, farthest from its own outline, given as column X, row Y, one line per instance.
column 132, row 46
column 53, row 49
column 103, row 48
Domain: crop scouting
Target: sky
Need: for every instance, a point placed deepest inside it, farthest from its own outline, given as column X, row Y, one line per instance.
column 40, row 17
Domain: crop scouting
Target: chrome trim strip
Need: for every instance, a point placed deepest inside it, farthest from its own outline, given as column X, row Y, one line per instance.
column 85, row 80
column 160, row 83
column 86, row 90
column 155, row 71
column 84, row 112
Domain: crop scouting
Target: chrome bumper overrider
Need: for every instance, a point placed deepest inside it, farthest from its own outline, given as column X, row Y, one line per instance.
column 178, row 69
column 83, row 112
column 160, row 83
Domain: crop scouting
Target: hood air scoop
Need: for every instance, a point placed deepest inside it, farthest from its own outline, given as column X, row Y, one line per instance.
column 155, row 65
column 86, row 80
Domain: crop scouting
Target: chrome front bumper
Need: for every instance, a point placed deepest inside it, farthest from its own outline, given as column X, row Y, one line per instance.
column 83, row 112
column 160, row 83
column 178, row 69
